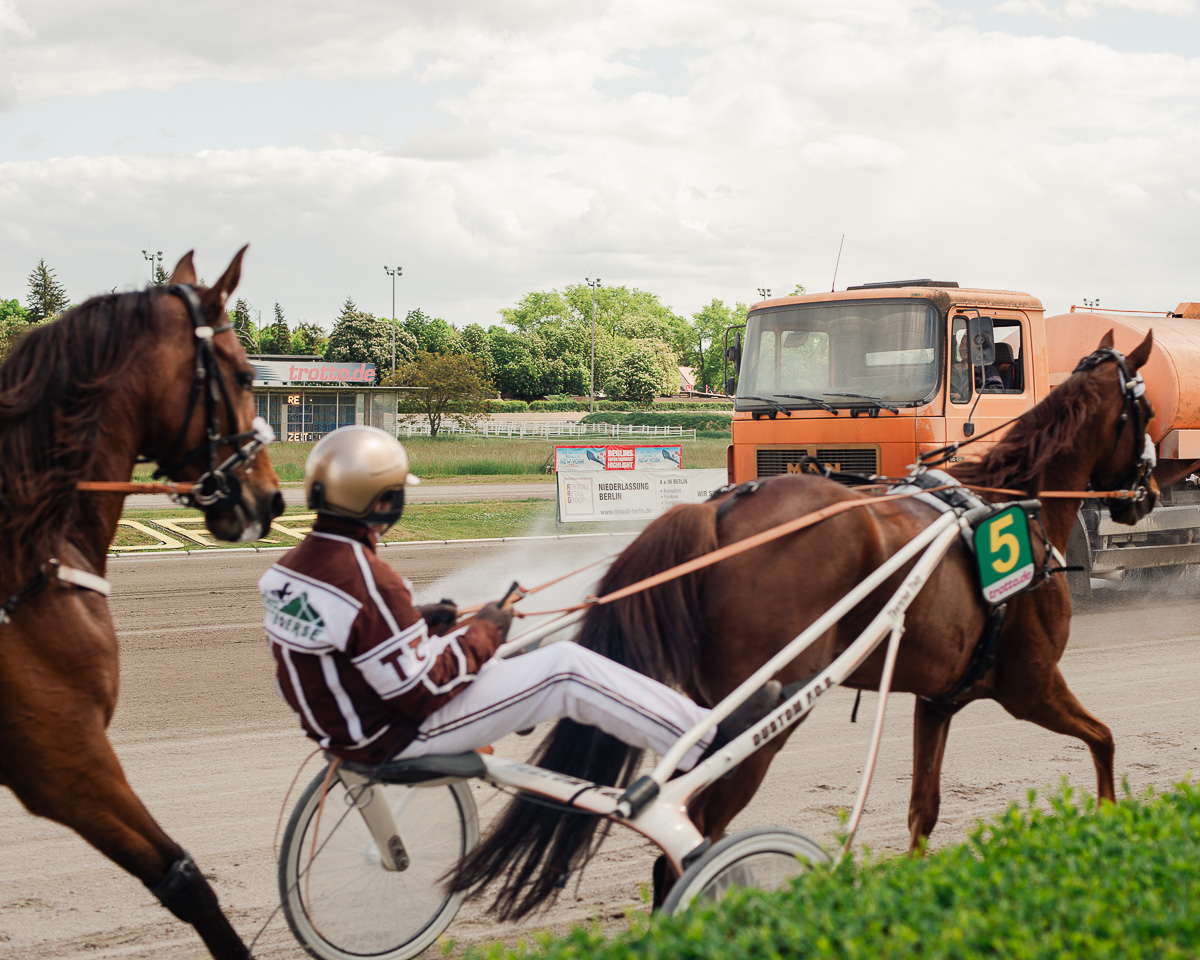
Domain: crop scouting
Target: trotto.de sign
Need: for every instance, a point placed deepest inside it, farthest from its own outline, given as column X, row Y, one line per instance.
column 268, row 372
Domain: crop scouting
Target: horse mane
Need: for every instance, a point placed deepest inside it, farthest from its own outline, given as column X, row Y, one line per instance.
column 55, row 390
column 1020, row 459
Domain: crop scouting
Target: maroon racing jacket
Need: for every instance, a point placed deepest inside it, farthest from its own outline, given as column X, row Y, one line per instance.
column 354, row 658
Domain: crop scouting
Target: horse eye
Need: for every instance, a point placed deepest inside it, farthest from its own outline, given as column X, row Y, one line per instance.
column 245, row 381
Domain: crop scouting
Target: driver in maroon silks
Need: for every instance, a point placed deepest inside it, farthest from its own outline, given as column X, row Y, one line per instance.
column 373, row 677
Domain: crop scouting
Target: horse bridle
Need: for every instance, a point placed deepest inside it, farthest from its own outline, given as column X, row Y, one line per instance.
column 217, row 484
column 1133, row 388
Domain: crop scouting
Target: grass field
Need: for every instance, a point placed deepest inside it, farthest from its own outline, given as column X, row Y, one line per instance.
column 480, row 457
column 425, row 521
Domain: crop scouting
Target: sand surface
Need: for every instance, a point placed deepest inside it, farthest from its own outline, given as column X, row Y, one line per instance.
column 211, row 750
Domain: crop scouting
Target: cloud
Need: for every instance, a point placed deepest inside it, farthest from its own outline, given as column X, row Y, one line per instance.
column 1065, row 10
column 852, row 151
column 673, row 146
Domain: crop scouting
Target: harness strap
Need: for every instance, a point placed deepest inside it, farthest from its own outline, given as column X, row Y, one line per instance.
column 80, row 578
column 982, row 658
column 53, row 569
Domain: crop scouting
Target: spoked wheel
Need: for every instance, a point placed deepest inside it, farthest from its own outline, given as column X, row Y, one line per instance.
column 341, row 903
column 764, row 859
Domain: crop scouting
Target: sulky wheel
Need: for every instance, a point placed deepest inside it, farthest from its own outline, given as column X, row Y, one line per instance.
column 342, row 903
column 765, row 858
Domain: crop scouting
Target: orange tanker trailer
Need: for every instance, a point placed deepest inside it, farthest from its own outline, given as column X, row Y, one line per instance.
column 863, row 380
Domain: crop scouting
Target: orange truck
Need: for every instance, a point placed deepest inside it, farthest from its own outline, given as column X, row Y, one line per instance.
column 862, row 380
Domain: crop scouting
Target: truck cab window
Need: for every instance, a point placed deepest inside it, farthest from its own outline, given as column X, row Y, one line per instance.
column 1010, row 358
column 1005, row 375
column 850, row 354
column 960, row 363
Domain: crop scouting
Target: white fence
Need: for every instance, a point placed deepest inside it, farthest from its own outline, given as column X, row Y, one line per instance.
column 518, row 429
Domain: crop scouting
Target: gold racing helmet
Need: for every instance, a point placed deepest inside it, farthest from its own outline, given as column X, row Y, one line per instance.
column 358, row 473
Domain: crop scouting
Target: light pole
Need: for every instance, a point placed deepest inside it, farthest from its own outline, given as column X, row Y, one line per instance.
column 393, row 273
column 592, row 393
column 764, row 293
column 151, row 257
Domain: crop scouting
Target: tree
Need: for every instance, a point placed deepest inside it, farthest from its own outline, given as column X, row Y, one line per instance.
column 358, row 337
column 432, row 334
column 710, row 324
column 47, row 297
column 309, row 339
column 277, row 338
column 474, row 343
column 161, row 277
column 244, row 327
column 13, row 324
column 454, row 388
column 646, row 370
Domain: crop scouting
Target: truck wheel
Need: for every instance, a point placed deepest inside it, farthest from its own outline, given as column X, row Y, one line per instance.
column 1079, row 581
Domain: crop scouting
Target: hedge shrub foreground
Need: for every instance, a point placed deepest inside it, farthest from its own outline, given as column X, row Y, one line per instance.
column 1114, row 881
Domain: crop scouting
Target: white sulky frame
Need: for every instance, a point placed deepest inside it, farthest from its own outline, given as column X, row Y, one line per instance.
column 663, row 817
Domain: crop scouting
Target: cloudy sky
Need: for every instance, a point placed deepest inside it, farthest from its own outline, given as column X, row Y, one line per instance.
column 694, row 148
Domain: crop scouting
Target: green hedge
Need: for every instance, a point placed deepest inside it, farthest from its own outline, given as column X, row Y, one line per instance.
column 1121, row 881
column 715, row 421
column 507, row 406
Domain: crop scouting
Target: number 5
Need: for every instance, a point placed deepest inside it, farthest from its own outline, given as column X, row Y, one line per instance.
column 1001, row 541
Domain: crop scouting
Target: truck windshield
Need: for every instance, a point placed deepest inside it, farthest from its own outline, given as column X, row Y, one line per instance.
column 877, row 349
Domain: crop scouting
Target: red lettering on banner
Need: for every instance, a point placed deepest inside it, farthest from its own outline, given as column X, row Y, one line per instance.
column 292, row 372
column 619, row 458
column 371, row 375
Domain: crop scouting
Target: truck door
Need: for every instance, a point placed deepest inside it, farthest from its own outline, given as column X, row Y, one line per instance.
column 986, row 397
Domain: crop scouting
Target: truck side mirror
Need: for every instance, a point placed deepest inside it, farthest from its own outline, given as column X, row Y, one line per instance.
column 733, row 353
column 981, row 341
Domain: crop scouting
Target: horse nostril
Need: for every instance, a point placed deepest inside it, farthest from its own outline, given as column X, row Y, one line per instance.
column 277, row 504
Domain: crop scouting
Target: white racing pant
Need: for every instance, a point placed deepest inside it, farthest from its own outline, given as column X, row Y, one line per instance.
column 561, row 680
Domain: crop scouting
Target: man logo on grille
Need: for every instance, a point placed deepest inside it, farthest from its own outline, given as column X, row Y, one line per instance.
column 813, row 465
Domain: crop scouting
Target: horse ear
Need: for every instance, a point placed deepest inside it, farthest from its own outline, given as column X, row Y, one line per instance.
column 184, row 272
column 1106, row 341
column 216, row 295
column 1141, row 353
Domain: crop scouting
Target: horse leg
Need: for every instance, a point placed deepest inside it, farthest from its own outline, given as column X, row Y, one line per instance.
column 931, row 726
column 1052, row 705
column 89, row 794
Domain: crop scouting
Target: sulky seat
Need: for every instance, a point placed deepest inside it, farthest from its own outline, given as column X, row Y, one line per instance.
column 459, row 766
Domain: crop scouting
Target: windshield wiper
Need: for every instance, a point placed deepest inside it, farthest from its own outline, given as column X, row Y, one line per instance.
column 771, row 403
column 878, row 401
column 820, row 403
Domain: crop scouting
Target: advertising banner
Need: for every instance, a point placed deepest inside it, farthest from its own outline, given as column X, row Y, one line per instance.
column 271, row 372
column 619, row 457
column 631, row 494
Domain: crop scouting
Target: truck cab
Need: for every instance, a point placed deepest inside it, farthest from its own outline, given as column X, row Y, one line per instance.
column 864, row 379
column 861, row 381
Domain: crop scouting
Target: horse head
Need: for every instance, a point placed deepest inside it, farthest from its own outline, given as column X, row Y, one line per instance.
column 1123, row 451
column 201, row 424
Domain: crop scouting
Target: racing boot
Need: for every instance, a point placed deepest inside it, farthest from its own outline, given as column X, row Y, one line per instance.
column 765, row 699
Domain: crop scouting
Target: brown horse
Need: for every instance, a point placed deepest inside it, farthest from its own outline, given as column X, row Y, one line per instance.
column 153, row 374
column 708, row 631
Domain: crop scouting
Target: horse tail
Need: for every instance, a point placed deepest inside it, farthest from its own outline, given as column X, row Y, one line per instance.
column 658, row 632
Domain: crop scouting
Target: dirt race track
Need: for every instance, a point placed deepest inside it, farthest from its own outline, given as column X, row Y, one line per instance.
column 211, row 750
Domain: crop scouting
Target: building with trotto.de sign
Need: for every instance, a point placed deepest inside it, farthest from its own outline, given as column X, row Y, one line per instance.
column 304, row 398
